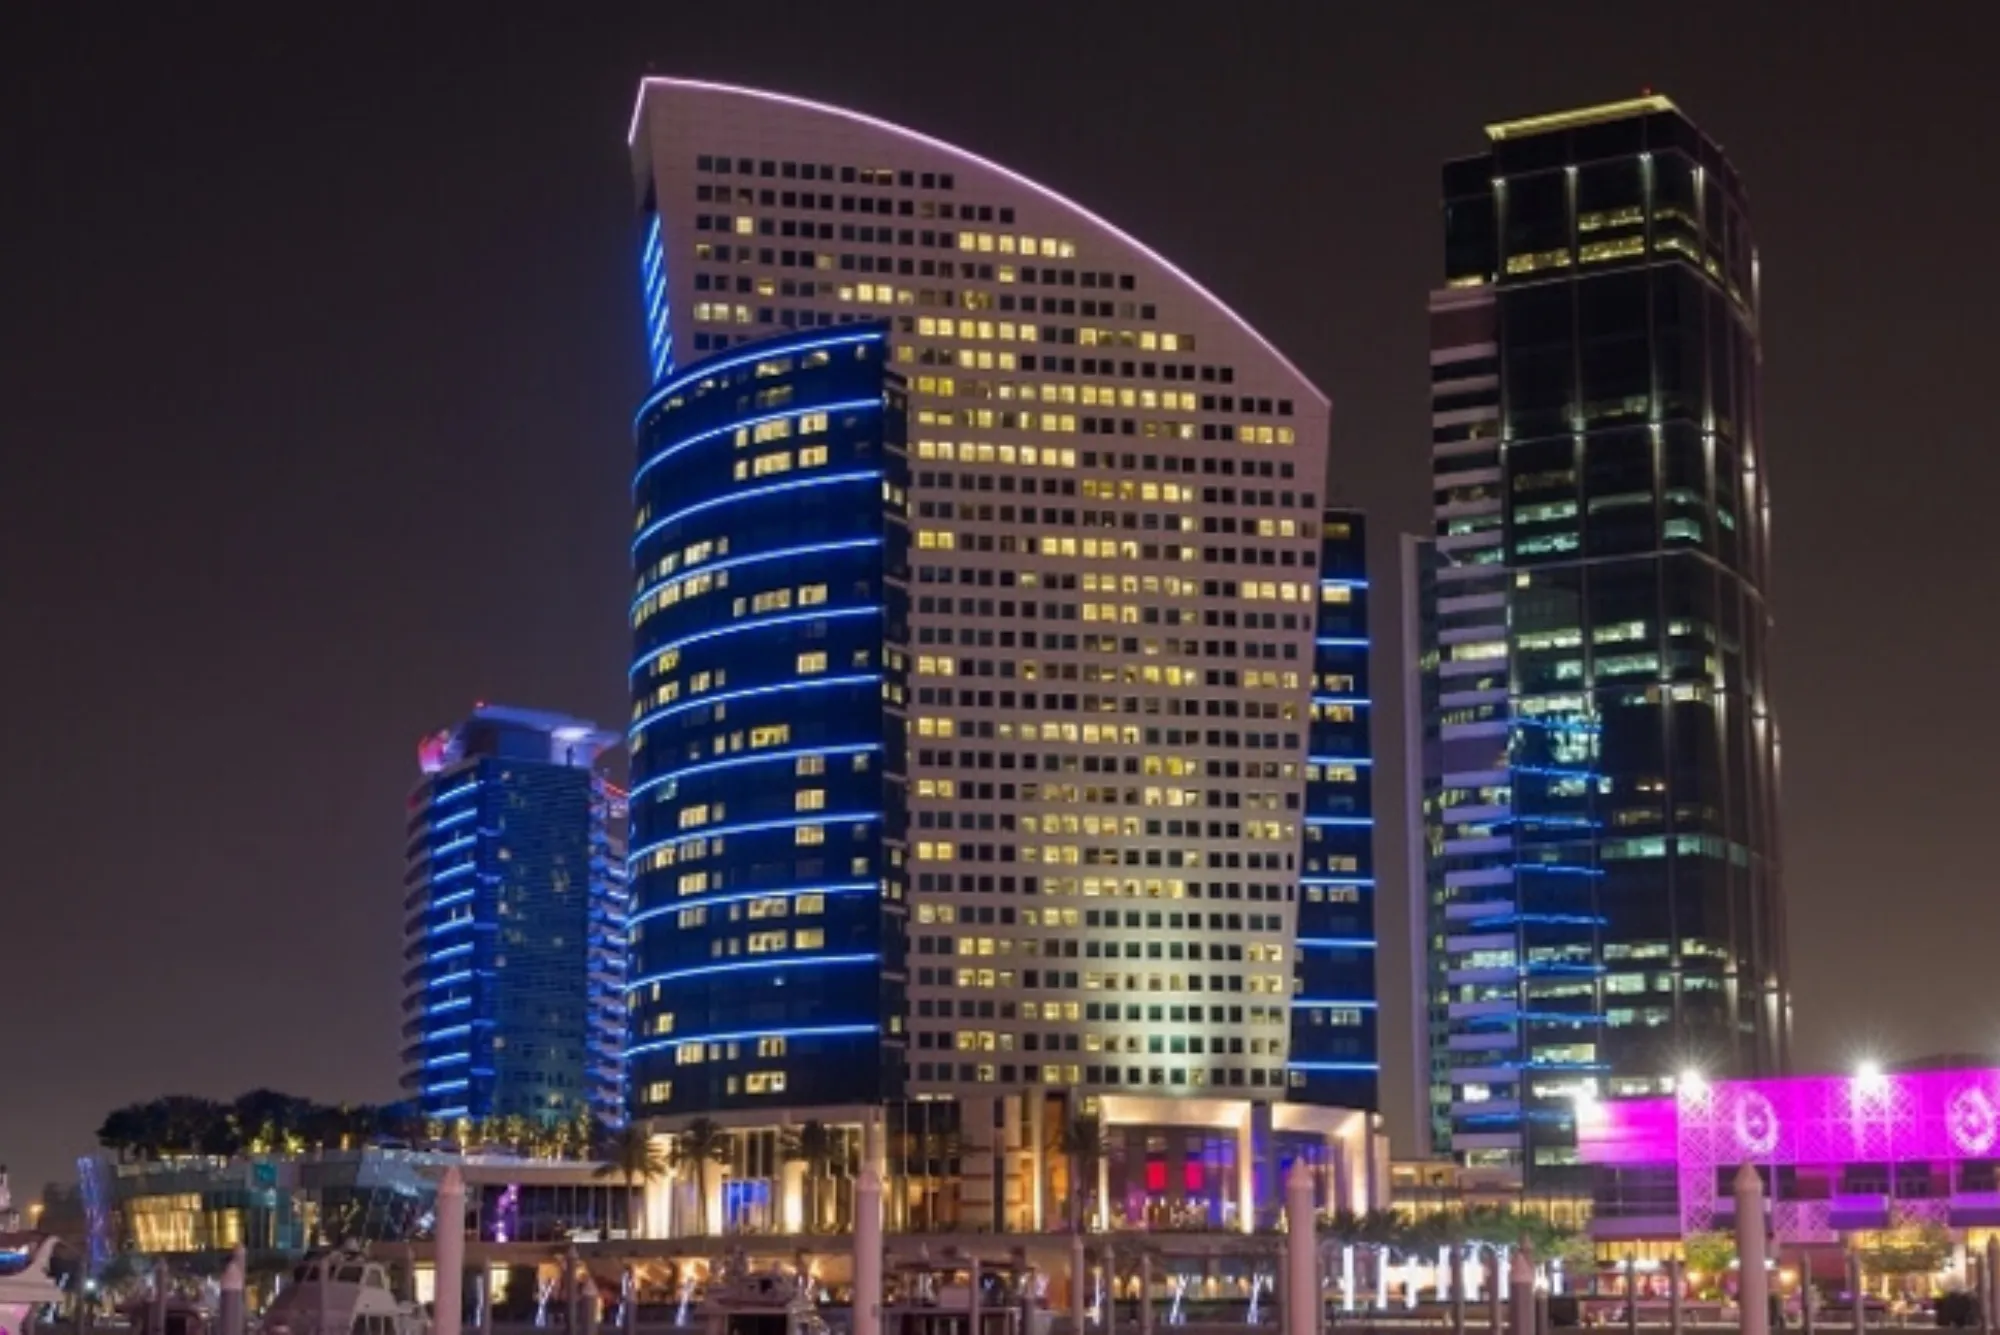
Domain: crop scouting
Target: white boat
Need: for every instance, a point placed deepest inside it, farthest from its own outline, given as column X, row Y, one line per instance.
column 341, row 1293
column 27, row 1288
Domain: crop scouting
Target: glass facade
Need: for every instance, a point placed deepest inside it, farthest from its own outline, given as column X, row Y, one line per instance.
column 767, row 734
column 514, row 927
column 1335, row 1059
column 1115, row 494
column 1598, row 755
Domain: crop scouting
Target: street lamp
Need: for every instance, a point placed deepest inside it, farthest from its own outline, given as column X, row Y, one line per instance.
column 1869, row 1076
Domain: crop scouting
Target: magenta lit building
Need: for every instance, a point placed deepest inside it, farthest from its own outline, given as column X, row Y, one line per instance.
column 1838, row 1154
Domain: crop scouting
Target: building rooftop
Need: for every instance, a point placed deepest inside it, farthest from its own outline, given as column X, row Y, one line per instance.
column 1645, row 105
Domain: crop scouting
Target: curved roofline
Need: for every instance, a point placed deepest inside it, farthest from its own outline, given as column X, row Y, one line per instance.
column 876, row 123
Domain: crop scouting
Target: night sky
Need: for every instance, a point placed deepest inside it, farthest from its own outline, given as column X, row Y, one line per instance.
column 319, row 345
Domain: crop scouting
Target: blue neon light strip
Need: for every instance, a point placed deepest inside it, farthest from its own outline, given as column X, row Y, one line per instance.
column 703, row 901
column 818, row 1031
column 1316, row 1003
column 760, row 758
column 456, row 897
column 451, row 793
column 450, row 978
column 739, row 966
column 456, row 1003
column 1342, row 700
column 445, row 850
column 1337, row 942
column 452, row 873
column 451, row 952
column 710, row 567
column 1356, row 881
column 459, row 818
column 758, row 623
column 1339, row 642
column 708, row 368
column 1338, row 760
column 1340, row 820
column 454, row 1031
column 446, row 1087
column 720, row 697
column 450, row 925
column 1343, row 584
column 450, row 1058
column 689, row 442
column 752, row 827
column 1358, row 1068
column 752, row 494
column 460, row 1111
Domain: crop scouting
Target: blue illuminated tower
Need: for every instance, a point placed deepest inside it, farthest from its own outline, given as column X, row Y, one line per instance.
column 767, row 741
column 1334, row 1037
column 514, row 922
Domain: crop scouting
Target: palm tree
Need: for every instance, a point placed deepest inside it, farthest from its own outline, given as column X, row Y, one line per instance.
column 820, row 1149
column 698, row 1144
column 1083, row 1146
column 629, row 1152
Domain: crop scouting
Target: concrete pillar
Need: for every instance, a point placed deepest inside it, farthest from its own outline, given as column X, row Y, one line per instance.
column 1038, row 1168
column 1521, row 1287
column 1991, row 1274
column 628, row 1310
column 1301, row 1252
column 1145, row 1293
column 572, row 1293
column 231, row 1313
column 156, row 1305
column 1541, row 1312
column 1458, row 1291
column 485, row 1297
column 1753, row 1285
column 792, row 1209
column 867, row 1317
column 1496, row 1289
column 446, row 1307
column 1246, row 1174
column 1268, row 1193
column 1079, row 1283
column 1855, row 1277
column 1632, row 1295
column 972, row 1296
column 1808, row 1302
column 1676, row 1281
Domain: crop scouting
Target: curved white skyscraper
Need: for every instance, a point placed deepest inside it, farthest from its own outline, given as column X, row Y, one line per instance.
column 1131, row 869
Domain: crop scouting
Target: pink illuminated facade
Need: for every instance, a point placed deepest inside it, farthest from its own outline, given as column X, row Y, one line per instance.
column 1840, row 1153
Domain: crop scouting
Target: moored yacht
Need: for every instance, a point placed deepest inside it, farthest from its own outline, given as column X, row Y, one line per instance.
column 341, row 1292
column 26, row 1286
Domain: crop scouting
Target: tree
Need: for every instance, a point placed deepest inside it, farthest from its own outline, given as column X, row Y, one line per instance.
column 1907, row 1247
column 631, row 1153
column 1711, row 1256
column 700, row 1143
column 1083, row 1146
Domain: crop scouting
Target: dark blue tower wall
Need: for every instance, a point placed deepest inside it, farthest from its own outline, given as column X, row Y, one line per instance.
column 767, row 735
column 1335, row 1051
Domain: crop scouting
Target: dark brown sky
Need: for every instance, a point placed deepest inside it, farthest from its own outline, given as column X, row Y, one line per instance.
column 318, row 344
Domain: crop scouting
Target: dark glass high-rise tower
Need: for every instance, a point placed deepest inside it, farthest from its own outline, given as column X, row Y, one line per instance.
column 514, row 922
column 1597, row 760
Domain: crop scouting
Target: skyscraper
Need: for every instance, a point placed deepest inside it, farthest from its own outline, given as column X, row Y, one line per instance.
column 1082, row 589
column 1597, row 752
column 514, row 922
